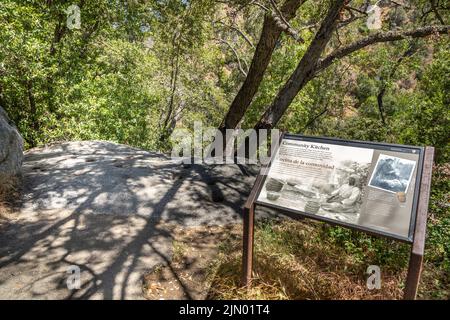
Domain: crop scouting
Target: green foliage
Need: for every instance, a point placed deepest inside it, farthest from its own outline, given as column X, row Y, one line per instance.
column 425, row 116
column 370, row 250
column 111, row 79
column 439, row 225
column 136, row 70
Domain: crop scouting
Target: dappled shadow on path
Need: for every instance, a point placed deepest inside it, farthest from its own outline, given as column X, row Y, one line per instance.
column 106, row 209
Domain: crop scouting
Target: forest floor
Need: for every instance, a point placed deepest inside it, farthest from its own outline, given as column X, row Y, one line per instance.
column 189, row 274
column 294, row 260
column 207, row 265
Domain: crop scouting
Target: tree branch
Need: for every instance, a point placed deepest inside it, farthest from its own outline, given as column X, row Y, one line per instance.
column 348, row 8
column 412, row 48
column 246, row 38
column 379, row 37
column 284, row 25
column 436, row 11
column 352, row 17
column 256, row 3
column 235, row 53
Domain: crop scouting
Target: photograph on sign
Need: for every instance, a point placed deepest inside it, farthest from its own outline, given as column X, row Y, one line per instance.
column 370, row 188
column 392, row 174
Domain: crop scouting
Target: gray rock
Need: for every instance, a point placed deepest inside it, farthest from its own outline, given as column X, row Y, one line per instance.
column 11, row 147
column 106, row 208
column 109, row 209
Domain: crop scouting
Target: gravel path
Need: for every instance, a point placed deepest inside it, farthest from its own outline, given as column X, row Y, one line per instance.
column 108, row 209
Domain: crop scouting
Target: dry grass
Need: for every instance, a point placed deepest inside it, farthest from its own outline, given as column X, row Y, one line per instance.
column 185, row 276
column 293, row 261
column 9, row 194
column 435, row 283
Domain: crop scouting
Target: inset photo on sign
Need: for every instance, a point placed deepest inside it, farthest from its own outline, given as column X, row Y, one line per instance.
column 392, row 174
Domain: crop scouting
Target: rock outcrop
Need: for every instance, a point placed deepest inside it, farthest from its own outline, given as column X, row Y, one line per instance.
column 11, row 147
column 112, row 209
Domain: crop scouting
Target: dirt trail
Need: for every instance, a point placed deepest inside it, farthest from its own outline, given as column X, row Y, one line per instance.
column 108, row 209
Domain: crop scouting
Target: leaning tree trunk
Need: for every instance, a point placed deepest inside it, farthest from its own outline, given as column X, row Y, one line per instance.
column 269, row 36
column 305, row 69
column 304, row 72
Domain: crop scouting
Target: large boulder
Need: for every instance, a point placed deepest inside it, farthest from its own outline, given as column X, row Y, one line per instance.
column 11, row 147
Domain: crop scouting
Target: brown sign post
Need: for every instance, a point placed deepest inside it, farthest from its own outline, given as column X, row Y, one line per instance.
column 418, row 246
column 418, row 231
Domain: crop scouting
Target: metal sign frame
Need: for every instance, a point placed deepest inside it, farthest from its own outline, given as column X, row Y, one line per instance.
column 416, row 237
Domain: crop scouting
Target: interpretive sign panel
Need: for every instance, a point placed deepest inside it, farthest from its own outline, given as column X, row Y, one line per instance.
column 379, row 188
column 363, row 185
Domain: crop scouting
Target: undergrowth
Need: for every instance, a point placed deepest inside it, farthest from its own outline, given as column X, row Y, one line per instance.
column 313, row 260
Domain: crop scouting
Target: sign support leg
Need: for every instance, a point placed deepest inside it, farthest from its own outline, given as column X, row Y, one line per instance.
column 418, row 246
column 413, row 278
column 247, row 253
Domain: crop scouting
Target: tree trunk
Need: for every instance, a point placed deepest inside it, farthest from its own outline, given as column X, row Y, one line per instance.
column 167, row 119
column 269, row 36
column 33, row 113
column 305, row 69
column 409, row 52
column 58, row 34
